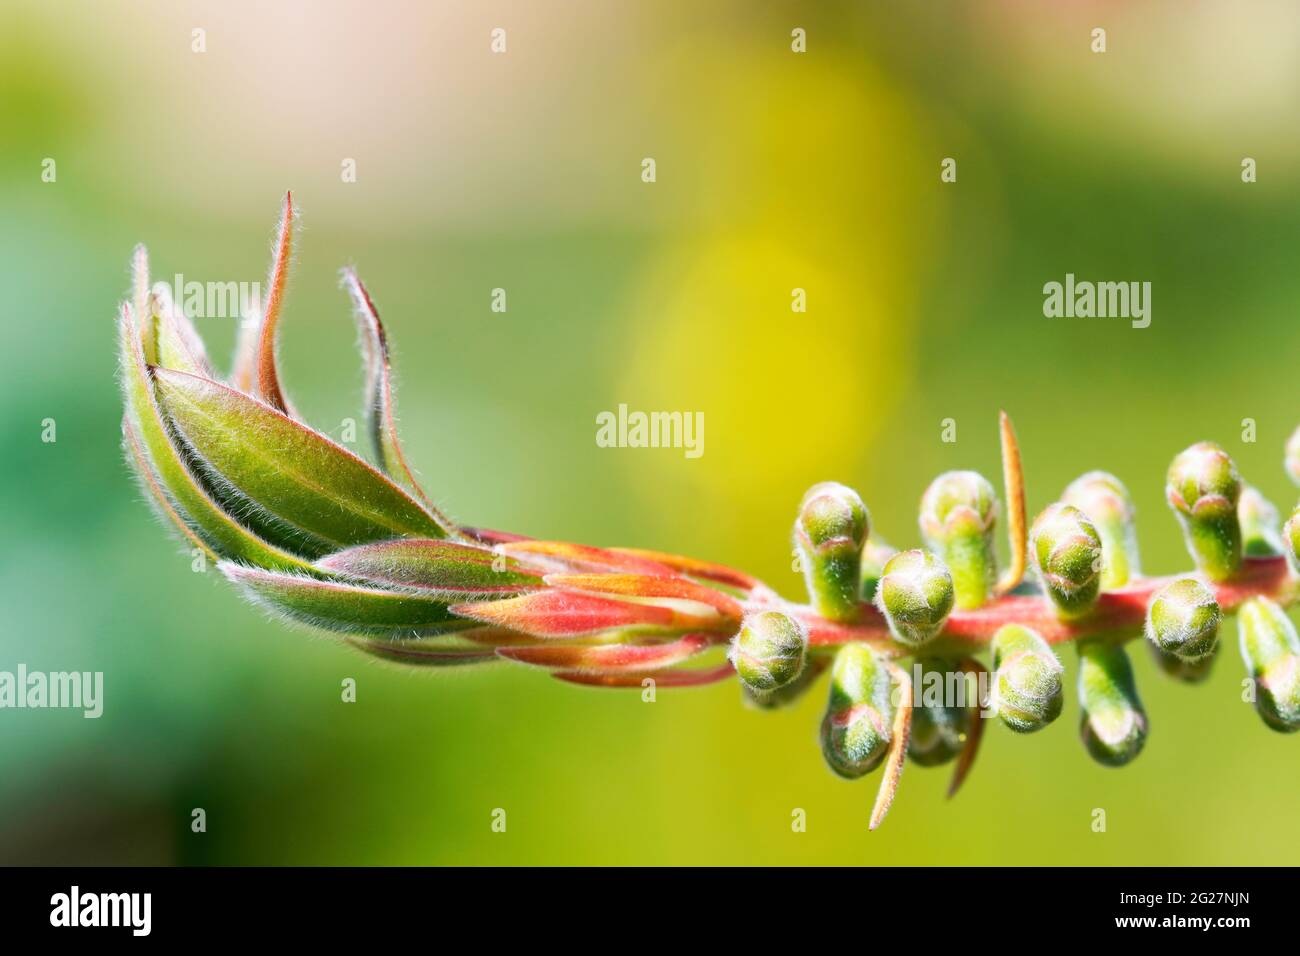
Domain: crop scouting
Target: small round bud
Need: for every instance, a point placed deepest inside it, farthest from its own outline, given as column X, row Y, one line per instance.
column 1104, row 499
column 1067, row 553
column 1203, row 488
column 1027, row 693
column 770, row 650
column 829, row 535
column 915, row 595
column 1189, row 672
column 1271, row 650
column 857, row 728
column 1293, row 456
column 1114, row 725
column 939, row 726
column 958, row 513
column 1259, row 521
column 1183, row 620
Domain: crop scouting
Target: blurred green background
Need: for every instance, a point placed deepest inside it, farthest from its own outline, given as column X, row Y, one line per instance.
column 522, row 171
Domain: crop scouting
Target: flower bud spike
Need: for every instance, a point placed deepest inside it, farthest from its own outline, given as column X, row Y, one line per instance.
column 770, row 651
column 1293, row 456
column 1203, row 488
column 829, row 535
column 1271, row 650
column 1114, row 725
column 858, row 725
column 1104, row 499
column 1068, row 557
column 1183, row 620
column 1260, row 535
column 916, row 596
column 1027, row 693
column 940, row 728
column 958, row 513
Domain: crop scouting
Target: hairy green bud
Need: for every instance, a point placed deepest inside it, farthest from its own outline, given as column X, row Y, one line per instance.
column 1258, row 517
column 857, row 728
column 875, row 556
column 829, row 535
column 787, row 694
column 1183, row 620
column 1114, row 725
column 1271, row 651
column 770, row 650
column 915, row 595
column 939, row 730
column 1027, row 693
column 1104, row 499
column 1203, row 488
column 1067, row 553
column 958, row 512
column 1189, row 672
column 1293, row 456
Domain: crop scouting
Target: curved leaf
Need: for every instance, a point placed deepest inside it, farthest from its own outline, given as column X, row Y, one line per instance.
column 293, row 472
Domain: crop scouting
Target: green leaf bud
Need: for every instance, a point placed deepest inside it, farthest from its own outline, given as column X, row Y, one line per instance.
column 958, row 513
column 915, row 595
column 857, row 728
column 1114, row 725
column 769, row 651
column 939, row 729
column 1258, row 517
column 1293, row 456
column 1183, row 620
column 1067, row 554
column 1271, row 650
column 1189, row 672
column 829, row 535
column 1026, row 693
column 1104, row 499
column 1203, row 488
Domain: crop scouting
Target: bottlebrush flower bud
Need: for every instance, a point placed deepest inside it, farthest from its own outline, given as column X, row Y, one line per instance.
column 1258, row 517
column 1183, row 620
column 1114, row 725
column 829, row 535
column 915, row 595
column 770, row 650
column 1104, row 499
column 1271, row 651
column 1203, row 488
column 1067, row 553
column 939, row 730
column 958, row 512
column 1026, row 692
column 857, row 728
column 1293, row 456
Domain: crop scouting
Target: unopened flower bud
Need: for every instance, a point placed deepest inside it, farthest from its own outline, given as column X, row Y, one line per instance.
column 1203, row 488
column 875, row 555
column 1114, row 725
column 1189, row 672
column 958, row 512
column 1067, row 553
column 770, row 650
column 1293, row 456
column 829, row 534
column 915, row 595
column 1258, row 518
column 1104, row 499
column 939, row 725
column 787, row 694
column 1271, row 651
column 1026, row 692
column 857, row 728
column 1183, row 620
